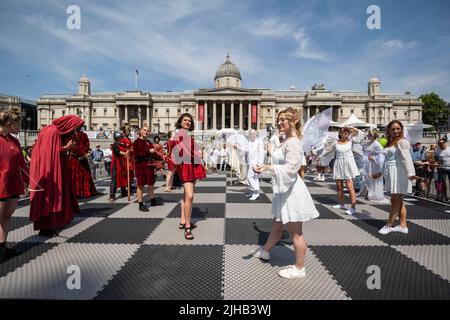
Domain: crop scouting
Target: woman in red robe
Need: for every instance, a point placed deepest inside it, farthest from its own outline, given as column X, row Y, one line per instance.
column 145, row 155
column 188, row 159
column 54, row 206
column 13, row 174
column 125, row 145
column 81, row 172
column 170, row 165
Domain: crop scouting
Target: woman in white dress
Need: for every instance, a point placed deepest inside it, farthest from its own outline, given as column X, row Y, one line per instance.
column 292, row 204
column 398, row 173
column 344, row 168
column 373, row 165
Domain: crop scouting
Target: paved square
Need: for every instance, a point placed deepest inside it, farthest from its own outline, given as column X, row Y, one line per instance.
column 123, row 253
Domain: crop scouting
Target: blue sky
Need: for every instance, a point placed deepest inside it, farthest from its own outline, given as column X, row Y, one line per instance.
column 179, row 44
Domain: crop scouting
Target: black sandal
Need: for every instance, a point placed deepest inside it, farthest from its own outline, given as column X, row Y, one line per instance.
column 188, row 234
column 183, row 226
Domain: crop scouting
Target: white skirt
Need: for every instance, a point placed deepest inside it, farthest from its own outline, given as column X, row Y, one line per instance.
column 345, row 168
column 396, row 179
column 295, row 205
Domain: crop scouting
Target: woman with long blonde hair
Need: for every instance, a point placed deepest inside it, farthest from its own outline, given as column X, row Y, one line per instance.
column 292, row 204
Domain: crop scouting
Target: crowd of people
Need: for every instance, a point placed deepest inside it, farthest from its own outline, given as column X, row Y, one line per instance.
column 59, row 172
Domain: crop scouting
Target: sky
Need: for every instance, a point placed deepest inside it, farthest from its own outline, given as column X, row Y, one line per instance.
column 178, row 45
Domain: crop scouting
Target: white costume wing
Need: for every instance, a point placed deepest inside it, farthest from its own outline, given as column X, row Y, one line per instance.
column 315, row 129
column 414, row 133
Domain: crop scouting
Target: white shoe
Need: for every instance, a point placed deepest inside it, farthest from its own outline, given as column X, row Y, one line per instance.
column 254, row 197
column 262, row 254
column 292, row 272
column 400, row 229
column 385, row 230
column 248, row 195
column 322, row 178
column 317, row 178
column 338, row 206
column 350, row 211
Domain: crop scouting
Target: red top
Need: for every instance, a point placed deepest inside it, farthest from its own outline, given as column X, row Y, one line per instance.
column 141, row 151
column 12, row 165
column 188, row 158
column 82, row 147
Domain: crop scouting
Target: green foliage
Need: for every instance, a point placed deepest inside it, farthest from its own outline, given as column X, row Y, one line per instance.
column 435, row 110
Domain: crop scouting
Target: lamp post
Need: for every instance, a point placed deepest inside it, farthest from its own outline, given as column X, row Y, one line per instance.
column 168, row 122
column 159, row 129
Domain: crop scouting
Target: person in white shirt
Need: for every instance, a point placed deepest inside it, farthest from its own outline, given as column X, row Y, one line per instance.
column 255, row 156
column 215, row 153
column 292, row 204
column 223, row 158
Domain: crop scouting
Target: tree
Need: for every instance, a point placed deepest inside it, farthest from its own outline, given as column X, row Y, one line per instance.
column 435, row 110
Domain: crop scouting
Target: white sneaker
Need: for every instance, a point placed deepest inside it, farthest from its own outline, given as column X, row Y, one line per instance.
column 248, row 195
column 254, row 197
column 317, row 178
column 385, row 230
column 292, row 272
column 322, row 178
column 400, row 229
column 262, row 254
column 350, row 211
column 338, row 206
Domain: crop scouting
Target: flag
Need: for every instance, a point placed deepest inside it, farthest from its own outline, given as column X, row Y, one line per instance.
column 137, row 72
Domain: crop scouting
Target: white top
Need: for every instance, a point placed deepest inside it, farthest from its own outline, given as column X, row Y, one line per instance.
column 344, row 166
column 215, row 155
column 255, row 153
column 398, row 167
column 443, row 156
column 292, row 201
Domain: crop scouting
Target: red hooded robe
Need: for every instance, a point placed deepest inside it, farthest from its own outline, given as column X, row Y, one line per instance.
column 55, row 205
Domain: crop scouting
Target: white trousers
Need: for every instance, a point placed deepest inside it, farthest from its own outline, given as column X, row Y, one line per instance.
column 253, row 179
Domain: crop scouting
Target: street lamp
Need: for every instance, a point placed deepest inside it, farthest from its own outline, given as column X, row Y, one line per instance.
column 159, row 130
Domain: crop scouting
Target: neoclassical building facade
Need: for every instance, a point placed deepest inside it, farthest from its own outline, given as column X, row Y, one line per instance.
column 227, row 105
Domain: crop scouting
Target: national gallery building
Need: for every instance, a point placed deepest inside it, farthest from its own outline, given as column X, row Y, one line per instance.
column 227, row 105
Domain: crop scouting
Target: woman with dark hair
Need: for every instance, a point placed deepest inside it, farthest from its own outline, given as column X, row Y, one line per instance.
column 53, row 201
column 344, row 168
column 13, row 173
column 188, row 159
column 398, row 173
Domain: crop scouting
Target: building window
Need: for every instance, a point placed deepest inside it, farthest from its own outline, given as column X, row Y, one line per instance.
column 395, row 114
column 105, row 111
column 64, row 112
column 94, row 112
column 156, row 112
column 363, row 111
column 352, row 111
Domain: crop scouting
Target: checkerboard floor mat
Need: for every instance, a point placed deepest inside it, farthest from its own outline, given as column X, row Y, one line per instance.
column 114, row 251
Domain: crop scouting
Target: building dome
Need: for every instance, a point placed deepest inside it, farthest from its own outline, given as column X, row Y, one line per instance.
column 374, row 79
column 84, row 79
column 228, row 69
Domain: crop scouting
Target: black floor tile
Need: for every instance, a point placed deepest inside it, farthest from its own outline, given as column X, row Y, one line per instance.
column 417, row 211
column 201, row 211
column 401, row 278
column 326, row 213
column 417, row 235
column 99, row 209
column 210, row 190
column 249, row 231
column 241, row 198
column 18, row 222
column 118, row 230
column 27, row 251
column 169, row 273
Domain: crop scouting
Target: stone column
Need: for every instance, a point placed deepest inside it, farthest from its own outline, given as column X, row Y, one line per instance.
column 214, row 124
column 148, row 118
column 263, row 111
column 126, row 114
column 232, row 115
column 117, row 117
column 205, row 115
column 258, row 118
column 241, row 116
column 88, row 110
column 139, row 116
column 223, row 114
column 273, row 117
column 249, row 115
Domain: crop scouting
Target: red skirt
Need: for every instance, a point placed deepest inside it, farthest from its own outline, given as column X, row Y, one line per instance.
column 82, row 178
column 170, row 165
column 145, row 174
column 190, row 172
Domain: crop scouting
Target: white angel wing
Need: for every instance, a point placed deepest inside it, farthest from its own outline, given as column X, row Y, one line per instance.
column 414, row 133
column 238, row 140
column 316, row 129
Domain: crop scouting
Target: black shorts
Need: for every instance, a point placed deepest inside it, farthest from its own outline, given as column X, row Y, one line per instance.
column 7, row 198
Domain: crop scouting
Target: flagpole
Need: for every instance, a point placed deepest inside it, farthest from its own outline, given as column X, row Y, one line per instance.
column 135, row 79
